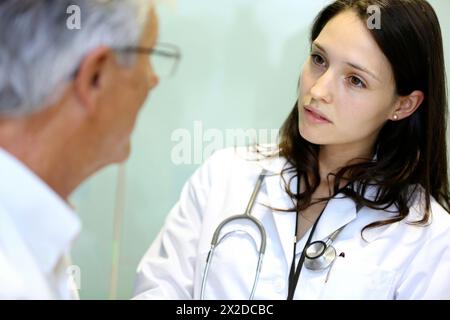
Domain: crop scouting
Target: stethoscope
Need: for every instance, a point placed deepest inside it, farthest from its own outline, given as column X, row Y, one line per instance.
column 246, row 216
column 316, row 256
column 319, row 255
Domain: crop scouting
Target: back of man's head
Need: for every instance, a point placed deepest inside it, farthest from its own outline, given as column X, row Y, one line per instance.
column 44, row 41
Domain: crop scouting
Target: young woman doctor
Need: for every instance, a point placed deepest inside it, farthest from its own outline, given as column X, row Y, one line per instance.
column 354, row 202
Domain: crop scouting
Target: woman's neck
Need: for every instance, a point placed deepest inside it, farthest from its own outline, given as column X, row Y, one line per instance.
column 334, row 157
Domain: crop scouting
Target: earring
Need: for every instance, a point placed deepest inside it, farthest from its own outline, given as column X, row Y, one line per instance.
column 395, row 117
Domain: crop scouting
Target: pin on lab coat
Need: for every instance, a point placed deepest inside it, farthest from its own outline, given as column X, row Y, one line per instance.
column 398, row 261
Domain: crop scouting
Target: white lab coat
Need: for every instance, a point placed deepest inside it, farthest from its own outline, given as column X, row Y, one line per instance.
column 400, row 261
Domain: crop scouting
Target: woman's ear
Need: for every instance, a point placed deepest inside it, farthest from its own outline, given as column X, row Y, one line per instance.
column 407, row 105
column 89, row 80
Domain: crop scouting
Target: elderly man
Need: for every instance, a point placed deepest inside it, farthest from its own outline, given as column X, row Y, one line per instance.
column 68, row 104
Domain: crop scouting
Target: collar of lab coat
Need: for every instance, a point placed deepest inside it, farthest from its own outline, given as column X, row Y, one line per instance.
column 46, row 223
column 339, row 211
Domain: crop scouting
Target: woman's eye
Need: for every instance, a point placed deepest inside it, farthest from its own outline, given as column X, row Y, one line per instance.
column 357, row 82
column 318, row 60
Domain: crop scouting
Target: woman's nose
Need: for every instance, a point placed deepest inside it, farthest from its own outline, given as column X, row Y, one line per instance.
column 322, row 88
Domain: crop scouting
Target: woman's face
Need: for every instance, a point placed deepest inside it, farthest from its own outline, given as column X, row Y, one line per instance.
column 349, row 80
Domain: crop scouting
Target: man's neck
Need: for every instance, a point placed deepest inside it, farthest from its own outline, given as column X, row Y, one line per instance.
column 49, row 166
column 49, row 155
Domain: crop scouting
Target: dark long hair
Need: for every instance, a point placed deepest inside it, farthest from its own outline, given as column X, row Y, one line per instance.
column 411, row 152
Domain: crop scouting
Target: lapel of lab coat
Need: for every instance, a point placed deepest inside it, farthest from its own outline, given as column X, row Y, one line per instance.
column 339, row 211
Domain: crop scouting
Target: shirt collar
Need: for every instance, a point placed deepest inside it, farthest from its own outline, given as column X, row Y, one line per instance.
column 46, row 223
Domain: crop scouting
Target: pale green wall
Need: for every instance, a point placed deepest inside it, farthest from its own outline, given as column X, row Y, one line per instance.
column 241, row 61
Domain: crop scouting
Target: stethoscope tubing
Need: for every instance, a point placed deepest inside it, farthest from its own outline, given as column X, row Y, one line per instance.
column 312, row 260
column 247, row 216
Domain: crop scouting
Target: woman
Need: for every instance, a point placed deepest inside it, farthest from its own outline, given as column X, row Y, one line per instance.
column 365, row 146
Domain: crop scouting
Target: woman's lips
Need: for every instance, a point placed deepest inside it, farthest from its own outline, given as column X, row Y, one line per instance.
column 314, row 117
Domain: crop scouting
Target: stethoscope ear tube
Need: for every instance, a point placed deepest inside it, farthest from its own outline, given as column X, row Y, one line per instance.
column 216, row 240
column 246, row 216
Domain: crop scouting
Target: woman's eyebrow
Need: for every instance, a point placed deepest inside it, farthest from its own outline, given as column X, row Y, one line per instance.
column 353, row 65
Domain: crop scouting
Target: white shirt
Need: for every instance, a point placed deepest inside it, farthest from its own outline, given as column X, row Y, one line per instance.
column 37, row 229
column 398, row 261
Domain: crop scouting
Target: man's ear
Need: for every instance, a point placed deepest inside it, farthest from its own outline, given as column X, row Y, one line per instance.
column 407, row 105
column 89, row 80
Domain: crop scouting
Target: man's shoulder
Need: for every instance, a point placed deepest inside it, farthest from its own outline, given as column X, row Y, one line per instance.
column 20, row 275
column 12, row 282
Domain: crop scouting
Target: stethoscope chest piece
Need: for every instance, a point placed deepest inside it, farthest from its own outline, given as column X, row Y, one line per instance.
column 319, row 255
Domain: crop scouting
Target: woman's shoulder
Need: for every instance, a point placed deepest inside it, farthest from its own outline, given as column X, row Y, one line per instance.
column 439, row 218
column 241, row 162
column 247, row 158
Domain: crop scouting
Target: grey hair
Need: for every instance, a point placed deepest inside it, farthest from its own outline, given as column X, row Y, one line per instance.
column 39, row 53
